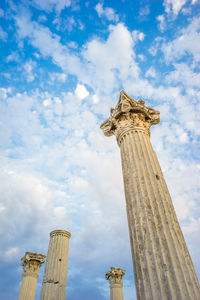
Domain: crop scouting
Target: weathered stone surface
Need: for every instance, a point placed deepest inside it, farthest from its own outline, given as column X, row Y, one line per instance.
column 31, row 263
column 116, row 284
column 55, row 276
column 162, row 264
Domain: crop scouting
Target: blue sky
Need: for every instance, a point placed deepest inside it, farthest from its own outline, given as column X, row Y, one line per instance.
column 63, row 64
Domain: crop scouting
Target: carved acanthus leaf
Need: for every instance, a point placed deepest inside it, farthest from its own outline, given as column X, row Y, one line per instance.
column 129, row 112
column 31, row 263
column 115, row 275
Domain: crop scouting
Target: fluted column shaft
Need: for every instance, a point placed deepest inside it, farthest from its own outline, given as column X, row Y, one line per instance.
column 116, row 284
column 116, row 292
column 55, row 276
column 162, row 264
column 31, row 263
column 28, row 288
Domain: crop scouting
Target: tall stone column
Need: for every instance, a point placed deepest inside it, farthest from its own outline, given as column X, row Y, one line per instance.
column 162, row 264
column 55, row 275
column 31, row 263
column 116, row 284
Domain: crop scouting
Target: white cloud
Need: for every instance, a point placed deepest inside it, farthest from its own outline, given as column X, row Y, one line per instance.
column 47, row 43
column 11, row 253
column 73, row 45
column 1, row 12
column 47, row 102
column 4, row 92
column 81, row 91
column 138, row 35
column 151, row 72
column 156, row 45
column 29, row 67
column 183, row 74
column 81, row 25
column 42, row 18
column 49, row 5
column 95, row 99
column 174, row 6
column 162, row 24
column 70, row 23
column 3, row 35
column 141, row 57
column 14, row 56
column 62, row 77
column 107, row 61
column 33, row 206
column 112, row 60
column 57, row 100
column 144, row 11
column 106, row 12
column 186, row 43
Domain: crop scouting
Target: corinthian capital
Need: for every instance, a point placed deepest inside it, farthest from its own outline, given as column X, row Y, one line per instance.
column 115, row 275
column 129, row 113
column 31, row 263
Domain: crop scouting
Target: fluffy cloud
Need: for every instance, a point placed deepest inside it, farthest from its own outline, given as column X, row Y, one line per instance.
column 187, row 42
column 81, row 91
column 1, row 12
column 175, row 6
column 49, row 5
column 56, row 76
column 34, row 204
column 112, row 60
column 138, row 35
column 151, row 72
column 144, row 11
column 183, row 74
column 47, row 43
column 29, row 67
column 162, row 22
column 106, row 12
column 108, row 62
column 3, row 35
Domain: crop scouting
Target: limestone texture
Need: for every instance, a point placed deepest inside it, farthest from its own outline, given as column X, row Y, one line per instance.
column 31, row 263
column 116, row 284
column 162, row 264
column 55, row 276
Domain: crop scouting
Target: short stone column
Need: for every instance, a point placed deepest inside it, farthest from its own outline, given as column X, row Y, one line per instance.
column 116, row 284
column 55, row 276
column 162, row 264
column 31, row 263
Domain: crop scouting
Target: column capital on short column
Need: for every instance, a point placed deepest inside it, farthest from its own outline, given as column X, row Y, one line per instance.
column 129, row 115
column 31, row 263
column 60, row 232
column 115, row 276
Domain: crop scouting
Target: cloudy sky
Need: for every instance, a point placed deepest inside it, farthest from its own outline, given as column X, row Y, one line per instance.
column 63, row 64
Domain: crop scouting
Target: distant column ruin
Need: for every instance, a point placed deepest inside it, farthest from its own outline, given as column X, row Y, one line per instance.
column 162, row 264
column 55, row 276
column 31, row 263
column 116, row 284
